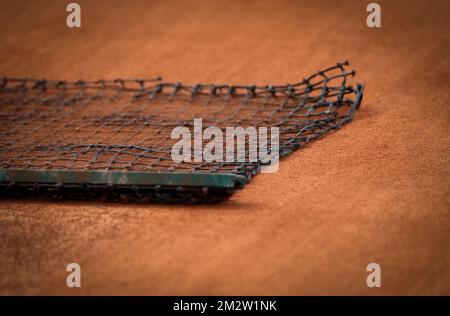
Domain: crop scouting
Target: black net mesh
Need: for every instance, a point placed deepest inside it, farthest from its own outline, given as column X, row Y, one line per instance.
column 126, row 125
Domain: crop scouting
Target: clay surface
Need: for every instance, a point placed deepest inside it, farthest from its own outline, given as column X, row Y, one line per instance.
column 375, row 191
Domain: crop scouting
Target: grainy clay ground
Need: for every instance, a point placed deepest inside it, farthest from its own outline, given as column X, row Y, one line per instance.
column 375, row 191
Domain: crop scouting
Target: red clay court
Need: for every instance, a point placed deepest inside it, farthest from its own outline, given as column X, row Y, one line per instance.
column 376, row 190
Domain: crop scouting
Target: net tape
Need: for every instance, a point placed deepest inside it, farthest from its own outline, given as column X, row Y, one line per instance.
column 126, row 125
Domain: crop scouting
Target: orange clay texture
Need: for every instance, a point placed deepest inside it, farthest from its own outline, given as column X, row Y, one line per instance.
column 375, row 191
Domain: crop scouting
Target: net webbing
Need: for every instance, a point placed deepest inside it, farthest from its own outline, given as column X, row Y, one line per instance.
column 126, row 125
